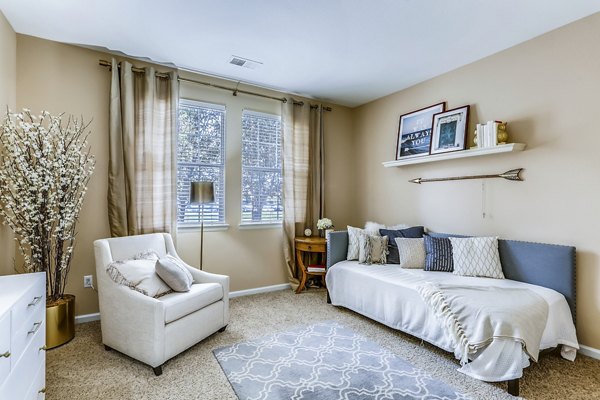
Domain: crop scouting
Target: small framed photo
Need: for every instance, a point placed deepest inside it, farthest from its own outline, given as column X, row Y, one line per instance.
column 450, row 130
column 414, row 132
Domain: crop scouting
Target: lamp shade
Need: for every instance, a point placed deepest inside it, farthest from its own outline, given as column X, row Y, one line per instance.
column 202, row 192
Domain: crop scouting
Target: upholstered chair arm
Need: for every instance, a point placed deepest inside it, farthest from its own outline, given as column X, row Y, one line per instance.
column 139, row 321
column 207, row 277
column 198, row 275
column 202, row 276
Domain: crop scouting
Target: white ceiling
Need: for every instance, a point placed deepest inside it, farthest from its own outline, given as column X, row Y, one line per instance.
column 344, row 51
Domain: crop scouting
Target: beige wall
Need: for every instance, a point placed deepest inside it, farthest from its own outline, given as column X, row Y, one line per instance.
column 548, row 89
column 8, row 96
column 64, row 78
column 61, row 78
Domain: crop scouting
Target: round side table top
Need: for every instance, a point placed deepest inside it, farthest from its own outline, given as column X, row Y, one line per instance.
column 311, row 240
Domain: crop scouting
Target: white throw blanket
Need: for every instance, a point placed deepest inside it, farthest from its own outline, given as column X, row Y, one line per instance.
column 475, row 316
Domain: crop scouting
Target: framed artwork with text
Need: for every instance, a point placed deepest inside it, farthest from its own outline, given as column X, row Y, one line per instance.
column 414, row 132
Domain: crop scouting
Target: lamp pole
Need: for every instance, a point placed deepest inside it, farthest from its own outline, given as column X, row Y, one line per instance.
column 201, row 232
column 202, row 193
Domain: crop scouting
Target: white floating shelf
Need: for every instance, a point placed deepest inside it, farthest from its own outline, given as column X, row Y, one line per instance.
column 502, row 148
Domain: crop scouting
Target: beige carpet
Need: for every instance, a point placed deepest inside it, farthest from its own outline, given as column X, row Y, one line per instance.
column 82, row 369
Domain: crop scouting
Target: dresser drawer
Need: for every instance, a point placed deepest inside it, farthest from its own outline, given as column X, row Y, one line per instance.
column 32, row 300
column 5, row 353
column 20, row 380
column 21, row 339
column 37, row 391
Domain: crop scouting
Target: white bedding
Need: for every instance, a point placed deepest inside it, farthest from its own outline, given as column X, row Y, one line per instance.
column 388, row 294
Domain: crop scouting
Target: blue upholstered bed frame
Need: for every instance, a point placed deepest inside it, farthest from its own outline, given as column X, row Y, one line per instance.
column 547, row 265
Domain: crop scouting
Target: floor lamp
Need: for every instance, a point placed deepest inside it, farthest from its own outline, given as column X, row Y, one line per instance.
column 202, row 193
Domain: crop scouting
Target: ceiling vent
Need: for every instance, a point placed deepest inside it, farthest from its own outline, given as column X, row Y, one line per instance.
column 244, row 62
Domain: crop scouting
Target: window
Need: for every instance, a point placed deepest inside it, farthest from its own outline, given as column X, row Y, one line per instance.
column 261, row 168
column 200, row 157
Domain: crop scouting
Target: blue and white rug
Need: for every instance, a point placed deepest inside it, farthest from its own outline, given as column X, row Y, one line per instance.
column 324, row 361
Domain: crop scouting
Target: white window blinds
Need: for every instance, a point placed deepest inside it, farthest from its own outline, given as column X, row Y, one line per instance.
column 261, row 168
column 200, row 157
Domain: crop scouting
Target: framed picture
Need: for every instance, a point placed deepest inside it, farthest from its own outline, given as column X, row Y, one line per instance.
column 414, row 132
column 450, row 130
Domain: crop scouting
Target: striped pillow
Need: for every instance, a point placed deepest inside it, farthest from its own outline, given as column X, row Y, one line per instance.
column 438, row 254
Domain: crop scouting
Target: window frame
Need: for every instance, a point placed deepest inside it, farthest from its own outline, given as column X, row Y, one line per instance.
column 258, row 224
column 208, row 226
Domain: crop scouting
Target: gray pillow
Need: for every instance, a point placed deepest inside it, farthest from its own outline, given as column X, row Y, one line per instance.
column 372, row 249
column 411, row 252
column 174, row 273
column 414, row 232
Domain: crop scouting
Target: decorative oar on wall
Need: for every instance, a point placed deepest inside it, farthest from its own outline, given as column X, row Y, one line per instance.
column 512, row 175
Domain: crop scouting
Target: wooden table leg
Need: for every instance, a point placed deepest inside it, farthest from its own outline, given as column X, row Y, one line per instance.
column 513, row 387
column 300, row 266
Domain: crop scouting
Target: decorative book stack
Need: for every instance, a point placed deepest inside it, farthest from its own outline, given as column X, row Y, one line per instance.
column 316, row 268
column 490, row 134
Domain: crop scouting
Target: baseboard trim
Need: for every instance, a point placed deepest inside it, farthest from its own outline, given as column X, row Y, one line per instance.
column 589, row 351
column 263, row 289
column 82, row 319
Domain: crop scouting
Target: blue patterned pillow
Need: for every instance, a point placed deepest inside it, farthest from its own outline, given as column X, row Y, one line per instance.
column 438, row 254
column 414, row 232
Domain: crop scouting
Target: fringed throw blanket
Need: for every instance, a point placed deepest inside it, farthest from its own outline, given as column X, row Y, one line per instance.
column 475, row 316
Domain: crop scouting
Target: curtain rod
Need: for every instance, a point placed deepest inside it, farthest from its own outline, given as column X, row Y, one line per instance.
column 235, row 90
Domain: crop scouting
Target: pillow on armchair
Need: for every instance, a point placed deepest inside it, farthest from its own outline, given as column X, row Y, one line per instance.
column 138, row 275
column 174, row 273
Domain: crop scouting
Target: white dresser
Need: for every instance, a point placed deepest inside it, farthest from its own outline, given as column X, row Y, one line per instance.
column 23, row 336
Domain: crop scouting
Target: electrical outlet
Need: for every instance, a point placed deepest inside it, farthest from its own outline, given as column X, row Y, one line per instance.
column 88, row 281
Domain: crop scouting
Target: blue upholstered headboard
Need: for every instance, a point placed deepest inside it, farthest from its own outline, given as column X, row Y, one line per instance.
column 547, row 265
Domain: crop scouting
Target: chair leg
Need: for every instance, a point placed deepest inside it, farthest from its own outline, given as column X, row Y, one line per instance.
column 107, row 348
column 157, row 370
column 223, row 329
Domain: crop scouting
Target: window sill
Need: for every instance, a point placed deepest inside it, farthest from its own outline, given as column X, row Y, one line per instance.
column 207, row 228
column 260, row 225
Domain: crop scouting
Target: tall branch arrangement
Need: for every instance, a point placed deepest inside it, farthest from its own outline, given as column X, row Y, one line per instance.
column 45, row 166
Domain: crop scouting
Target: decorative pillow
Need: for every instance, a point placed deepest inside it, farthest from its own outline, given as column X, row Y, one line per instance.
column 414, row 232
column 411, row 252
column 147, row 255
column 364, row 248
column 138, row 275
column 438, row 254
column 353, row 242
column 372, row 249
column 372, row 228
column 476, row 256
column 174, row 273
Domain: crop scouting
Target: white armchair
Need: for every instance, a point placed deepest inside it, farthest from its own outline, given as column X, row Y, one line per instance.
column 155, row 330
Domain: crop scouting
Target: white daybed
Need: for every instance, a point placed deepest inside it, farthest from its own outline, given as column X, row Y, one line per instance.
column 389, row 295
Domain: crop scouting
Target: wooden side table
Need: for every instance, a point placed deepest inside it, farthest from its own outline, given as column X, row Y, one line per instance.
column 311, row 245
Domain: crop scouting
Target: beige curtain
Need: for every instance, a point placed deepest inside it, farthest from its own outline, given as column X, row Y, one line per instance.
column 142, row 165
column 303, row 173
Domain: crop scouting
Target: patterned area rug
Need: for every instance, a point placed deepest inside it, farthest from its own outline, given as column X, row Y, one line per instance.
column 324, row 361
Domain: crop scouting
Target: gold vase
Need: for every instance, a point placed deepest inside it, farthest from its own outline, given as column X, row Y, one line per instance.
column 60, row 321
